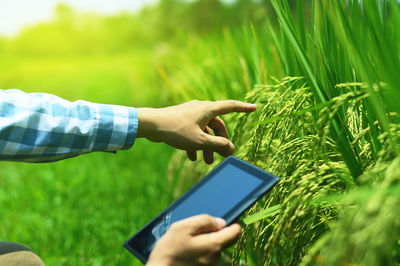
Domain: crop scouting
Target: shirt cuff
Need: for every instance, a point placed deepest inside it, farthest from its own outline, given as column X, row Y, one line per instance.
column 116, row 129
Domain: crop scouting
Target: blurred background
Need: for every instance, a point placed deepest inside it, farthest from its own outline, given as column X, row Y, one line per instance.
column 323, row 73
column 128, row 52
column 106, row 51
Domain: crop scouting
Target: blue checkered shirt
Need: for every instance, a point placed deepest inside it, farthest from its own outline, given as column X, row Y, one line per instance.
column 40, row 127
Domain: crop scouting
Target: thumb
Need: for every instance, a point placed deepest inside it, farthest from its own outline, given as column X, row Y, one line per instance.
column 200, row 224
column 221, row 145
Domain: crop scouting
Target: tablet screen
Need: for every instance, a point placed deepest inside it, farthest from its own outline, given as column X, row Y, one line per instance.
column 218, row 195
column 232, row 186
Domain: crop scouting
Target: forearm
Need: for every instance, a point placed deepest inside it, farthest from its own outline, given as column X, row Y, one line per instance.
column 42, row 127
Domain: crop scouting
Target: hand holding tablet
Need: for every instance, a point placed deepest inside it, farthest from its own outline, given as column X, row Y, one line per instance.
column 226, row 192
column 197, row 240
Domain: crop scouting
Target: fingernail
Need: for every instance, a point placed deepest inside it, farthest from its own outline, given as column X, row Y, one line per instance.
column 221, row 222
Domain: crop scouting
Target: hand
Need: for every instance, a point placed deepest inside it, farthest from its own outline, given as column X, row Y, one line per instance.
column 197, row 240
column 188, row 126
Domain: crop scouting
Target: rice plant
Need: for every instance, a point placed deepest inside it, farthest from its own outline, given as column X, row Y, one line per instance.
column 317, row 188
column 325, row 79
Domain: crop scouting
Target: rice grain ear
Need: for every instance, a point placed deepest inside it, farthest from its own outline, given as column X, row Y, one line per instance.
column 300, row 149
column 330, row 129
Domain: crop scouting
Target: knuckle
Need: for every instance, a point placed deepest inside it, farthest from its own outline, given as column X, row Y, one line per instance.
column 232, row 103
column 206, row 217
column 203, row 261
column 203, row 139
column 206, row 261
column 216, row 247
column 225, row 143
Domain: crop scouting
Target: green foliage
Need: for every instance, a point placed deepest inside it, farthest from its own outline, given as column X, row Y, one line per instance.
column 182, row 17
column 262, row 215
column 80, row 211
column 368, row 230
column 330, row 130
column 299, row 150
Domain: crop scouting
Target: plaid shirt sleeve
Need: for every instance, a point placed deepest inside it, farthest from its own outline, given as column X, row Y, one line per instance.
column 40, row 127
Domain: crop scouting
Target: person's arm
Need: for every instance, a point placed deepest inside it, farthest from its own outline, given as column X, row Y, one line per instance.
column 197, row 240
column 40, row 127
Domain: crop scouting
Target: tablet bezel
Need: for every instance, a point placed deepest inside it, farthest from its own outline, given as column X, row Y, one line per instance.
column 268, row 181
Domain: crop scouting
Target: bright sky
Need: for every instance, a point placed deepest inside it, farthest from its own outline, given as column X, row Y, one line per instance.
column 14, row 14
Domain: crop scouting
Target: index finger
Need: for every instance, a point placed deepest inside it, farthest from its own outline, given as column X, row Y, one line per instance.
column 229, row 106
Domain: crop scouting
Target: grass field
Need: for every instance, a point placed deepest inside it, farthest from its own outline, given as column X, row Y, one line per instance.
column 79, row 211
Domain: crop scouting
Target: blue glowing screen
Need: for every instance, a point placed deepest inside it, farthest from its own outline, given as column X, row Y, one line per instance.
column 219, row 195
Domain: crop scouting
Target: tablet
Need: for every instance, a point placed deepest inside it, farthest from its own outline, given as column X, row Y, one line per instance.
column 226, row 192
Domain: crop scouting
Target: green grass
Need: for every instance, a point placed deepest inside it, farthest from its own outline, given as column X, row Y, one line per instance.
column 81, row 210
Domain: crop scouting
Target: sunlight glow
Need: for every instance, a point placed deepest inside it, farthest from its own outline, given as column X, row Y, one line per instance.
column 16, row 14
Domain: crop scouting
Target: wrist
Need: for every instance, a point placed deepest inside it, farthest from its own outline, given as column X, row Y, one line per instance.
column 148, row 125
